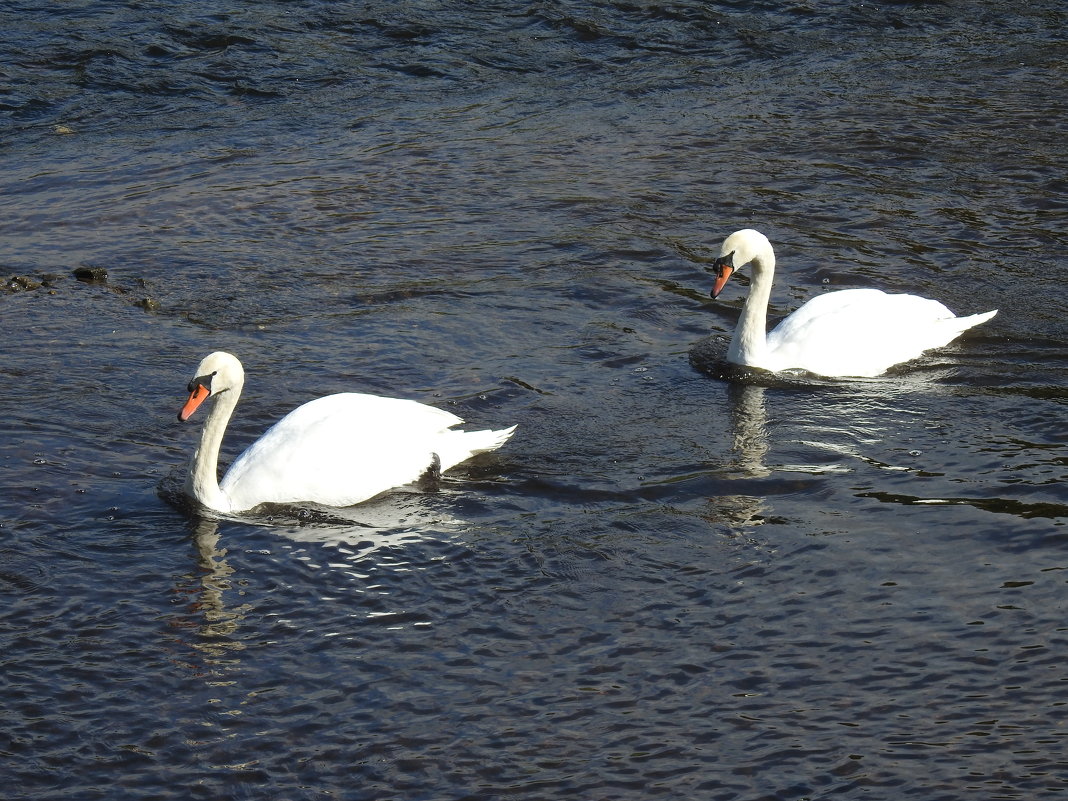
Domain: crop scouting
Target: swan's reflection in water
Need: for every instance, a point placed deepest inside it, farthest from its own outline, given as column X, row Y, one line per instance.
column 337, row 539
column 232, row 621
column 216, row 636
column 821, row 428
column 749, row 427
column 745, row 461
column 382, row 522
column 747, row 458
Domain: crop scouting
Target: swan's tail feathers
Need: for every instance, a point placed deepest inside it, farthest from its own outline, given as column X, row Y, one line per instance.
column 946, row 329
column 457, row 446
column 482, row 441
column 982, row 318
column 972, row 320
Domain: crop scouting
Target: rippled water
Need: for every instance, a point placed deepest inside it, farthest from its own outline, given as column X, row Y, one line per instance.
column 671, row 582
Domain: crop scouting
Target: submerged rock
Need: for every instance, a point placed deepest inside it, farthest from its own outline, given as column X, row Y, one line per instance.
column 91, row 275
column 21, row 283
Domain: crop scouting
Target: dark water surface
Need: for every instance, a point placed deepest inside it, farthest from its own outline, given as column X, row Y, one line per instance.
column 667, row 585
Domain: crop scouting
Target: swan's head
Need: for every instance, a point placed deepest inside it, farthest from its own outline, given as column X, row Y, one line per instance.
column 218, row 372
column 738, row 250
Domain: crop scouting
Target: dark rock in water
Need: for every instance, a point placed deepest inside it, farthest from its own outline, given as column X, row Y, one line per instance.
column 21, row 283
column 91, row 275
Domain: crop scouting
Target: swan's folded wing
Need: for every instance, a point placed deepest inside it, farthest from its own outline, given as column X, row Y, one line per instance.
column 860, row 332
column 337, row 451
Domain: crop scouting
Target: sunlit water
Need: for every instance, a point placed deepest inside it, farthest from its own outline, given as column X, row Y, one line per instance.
column 677, row 580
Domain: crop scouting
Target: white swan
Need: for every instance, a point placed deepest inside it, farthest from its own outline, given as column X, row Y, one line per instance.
column 853, row 332
column 336, row 451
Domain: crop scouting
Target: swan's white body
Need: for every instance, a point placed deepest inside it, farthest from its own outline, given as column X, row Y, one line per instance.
column 336, row 451
column 853, row 332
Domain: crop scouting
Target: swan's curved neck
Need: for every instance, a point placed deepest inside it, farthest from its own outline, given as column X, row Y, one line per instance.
column 750, row 341
column 203, row 479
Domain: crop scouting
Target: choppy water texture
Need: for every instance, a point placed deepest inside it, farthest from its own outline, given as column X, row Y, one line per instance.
column 668, row 584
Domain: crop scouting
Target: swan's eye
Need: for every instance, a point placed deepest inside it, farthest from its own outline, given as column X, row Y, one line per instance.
column 201, row 381
column 724, row 263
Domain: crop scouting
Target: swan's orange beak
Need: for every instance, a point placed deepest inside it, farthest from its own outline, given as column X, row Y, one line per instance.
column 197, row 395
column 724, row 273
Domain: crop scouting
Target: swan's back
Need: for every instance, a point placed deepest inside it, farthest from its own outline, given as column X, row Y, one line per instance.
column 862, row 332
column 342, row 449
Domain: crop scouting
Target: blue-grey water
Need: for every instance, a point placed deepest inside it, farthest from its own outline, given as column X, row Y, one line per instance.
column 668, row 584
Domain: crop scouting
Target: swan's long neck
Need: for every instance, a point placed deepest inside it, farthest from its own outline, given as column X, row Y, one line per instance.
column 203, row 479
column 750, row 341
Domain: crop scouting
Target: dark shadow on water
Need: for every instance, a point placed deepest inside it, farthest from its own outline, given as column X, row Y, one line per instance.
column 709, row 356
column 399, row 511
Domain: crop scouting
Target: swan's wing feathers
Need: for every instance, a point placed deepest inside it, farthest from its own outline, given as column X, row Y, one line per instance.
column 343, row 449
column 861, row 332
